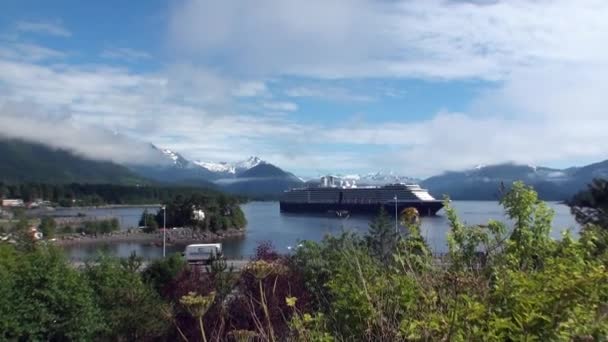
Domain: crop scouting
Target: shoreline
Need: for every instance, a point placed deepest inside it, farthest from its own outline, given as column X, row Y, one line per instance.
column 112, row 206
column 173, row 236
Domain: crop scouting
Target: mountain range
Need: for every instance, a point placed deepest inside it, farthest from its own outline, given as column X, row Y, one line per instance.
column 253, row 176
column 370, row 179
column 485, row 182
column 32, row 162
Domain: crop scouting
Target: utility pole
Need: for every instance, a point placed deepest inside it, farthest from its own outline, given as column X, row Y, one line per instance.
column 396, row 218
column 164, row 229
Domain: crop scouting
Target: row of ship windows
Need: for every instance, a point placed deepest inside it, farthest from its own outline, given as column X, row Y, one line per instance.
column 355, row 201
column 381, row 198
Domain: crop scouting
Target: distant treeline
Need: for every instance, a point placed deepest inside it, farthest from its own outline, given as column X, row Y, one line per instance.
column 101, row 194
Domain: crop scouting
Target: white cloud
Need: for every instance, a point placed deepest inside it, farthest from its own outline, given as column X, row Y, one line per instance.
column 251, row 89
column 328, row 93
column 28, row 52
column 527, row 119
column 25, row 121
column 280, row 106
column 365, row 38
column 42, row 27
column 544, row 64
column 126, row 54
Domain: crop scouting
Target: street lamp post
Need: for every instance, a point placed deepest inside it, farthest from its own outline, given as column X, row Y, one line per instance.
column 396, row 219
column 164, row 229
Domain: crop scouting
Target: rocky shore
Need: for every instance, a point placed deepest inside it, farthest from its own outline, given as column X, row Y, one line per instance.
column 175, row 235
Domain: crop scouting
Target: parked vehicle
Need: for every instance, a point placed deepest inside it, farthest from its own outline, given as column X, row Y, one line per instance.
column 203, row 253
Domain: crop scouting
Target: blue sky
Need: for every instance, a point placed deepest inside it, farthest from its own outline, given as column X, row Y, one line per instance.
column 416, row 87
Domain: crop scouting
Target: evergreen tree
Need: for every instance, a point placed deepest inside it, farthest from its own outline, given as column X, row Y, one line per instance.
column 47, row 227
column 148, row 221
column 591, row 206
column 382, row 238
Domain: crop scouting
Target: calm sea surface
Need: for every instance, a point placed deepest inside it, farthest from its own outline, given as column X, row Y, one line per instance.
column 266, row 223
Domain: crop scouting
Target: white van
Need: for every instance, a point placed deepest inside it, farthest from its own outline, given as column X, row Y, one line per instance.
column 203, row 253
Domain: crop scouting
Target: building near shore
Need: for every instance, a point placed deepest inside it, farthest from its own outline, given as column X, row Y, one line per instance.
column 39, row 203
column 198, row 215
column 11, row 203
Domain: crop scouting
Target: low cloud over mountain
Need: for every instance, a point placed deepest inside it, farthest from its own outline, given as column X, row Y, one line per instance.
column 63, row 131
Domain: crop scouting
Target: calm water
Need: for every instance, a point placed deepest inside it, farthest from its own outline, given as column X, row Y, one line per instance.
column 266, row 223
column 127, row 217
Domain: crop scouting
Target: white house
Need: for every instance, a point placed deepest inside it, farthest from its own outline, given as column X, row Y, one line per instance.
column 12, row 203
column 198, row 215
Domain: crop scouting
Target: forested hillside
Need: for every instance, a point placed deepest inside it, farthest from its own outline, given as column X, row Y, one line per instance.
column 99, row 194
column 30, row 162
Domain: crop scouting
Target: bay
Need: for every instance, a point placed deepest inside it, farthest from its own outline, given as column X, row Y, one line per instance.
column 284, row 231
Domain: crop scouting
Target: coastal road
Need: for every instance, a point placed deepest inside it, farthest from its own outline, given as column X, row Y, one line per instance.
column 238, row 264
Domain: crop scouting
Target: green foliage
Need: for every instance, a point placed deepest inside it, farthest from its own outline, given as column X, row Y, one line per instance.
column 131, row 309
column 22, row 224
column 148, row 221
column 495, row 283
column 361, row 290
column 222, row 276
column 42, row 298
column 67, row 229
column 31, row 162
column 596, row 240
column 591, row 206
column 498, row 282
column 382, row 239
column 469, row 246
column 238, row 218
column 23, row 235
column 529, row 243
column 221, row 212
column 413, row 253
column 309, row 328
column 48, row 226
column 99, row 227
column 162, row 271
column 562, row 301
column 75, row 194
column 316, row 262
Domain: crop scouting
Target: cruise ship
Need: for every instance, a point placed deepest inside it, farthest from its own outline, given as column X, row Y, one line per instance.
column 335, row 195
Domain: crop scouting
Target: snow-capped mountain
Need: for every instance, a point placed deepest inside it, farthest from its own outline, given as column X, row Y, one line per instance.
column 177, row 158
column 221, row 167
column 249, row 163
column 172, row 167
column 252, row 176
column 385, row 178
column 373, row 178
column 172, row 155
column 228, row 169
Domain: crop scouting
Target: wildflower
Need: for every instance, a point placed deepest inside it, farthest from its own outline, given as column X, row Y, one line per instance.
column 196, row 304
column 243, row 335
column 307, row 318
column 262, row 269
column 410, row 216
column 291, row 301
